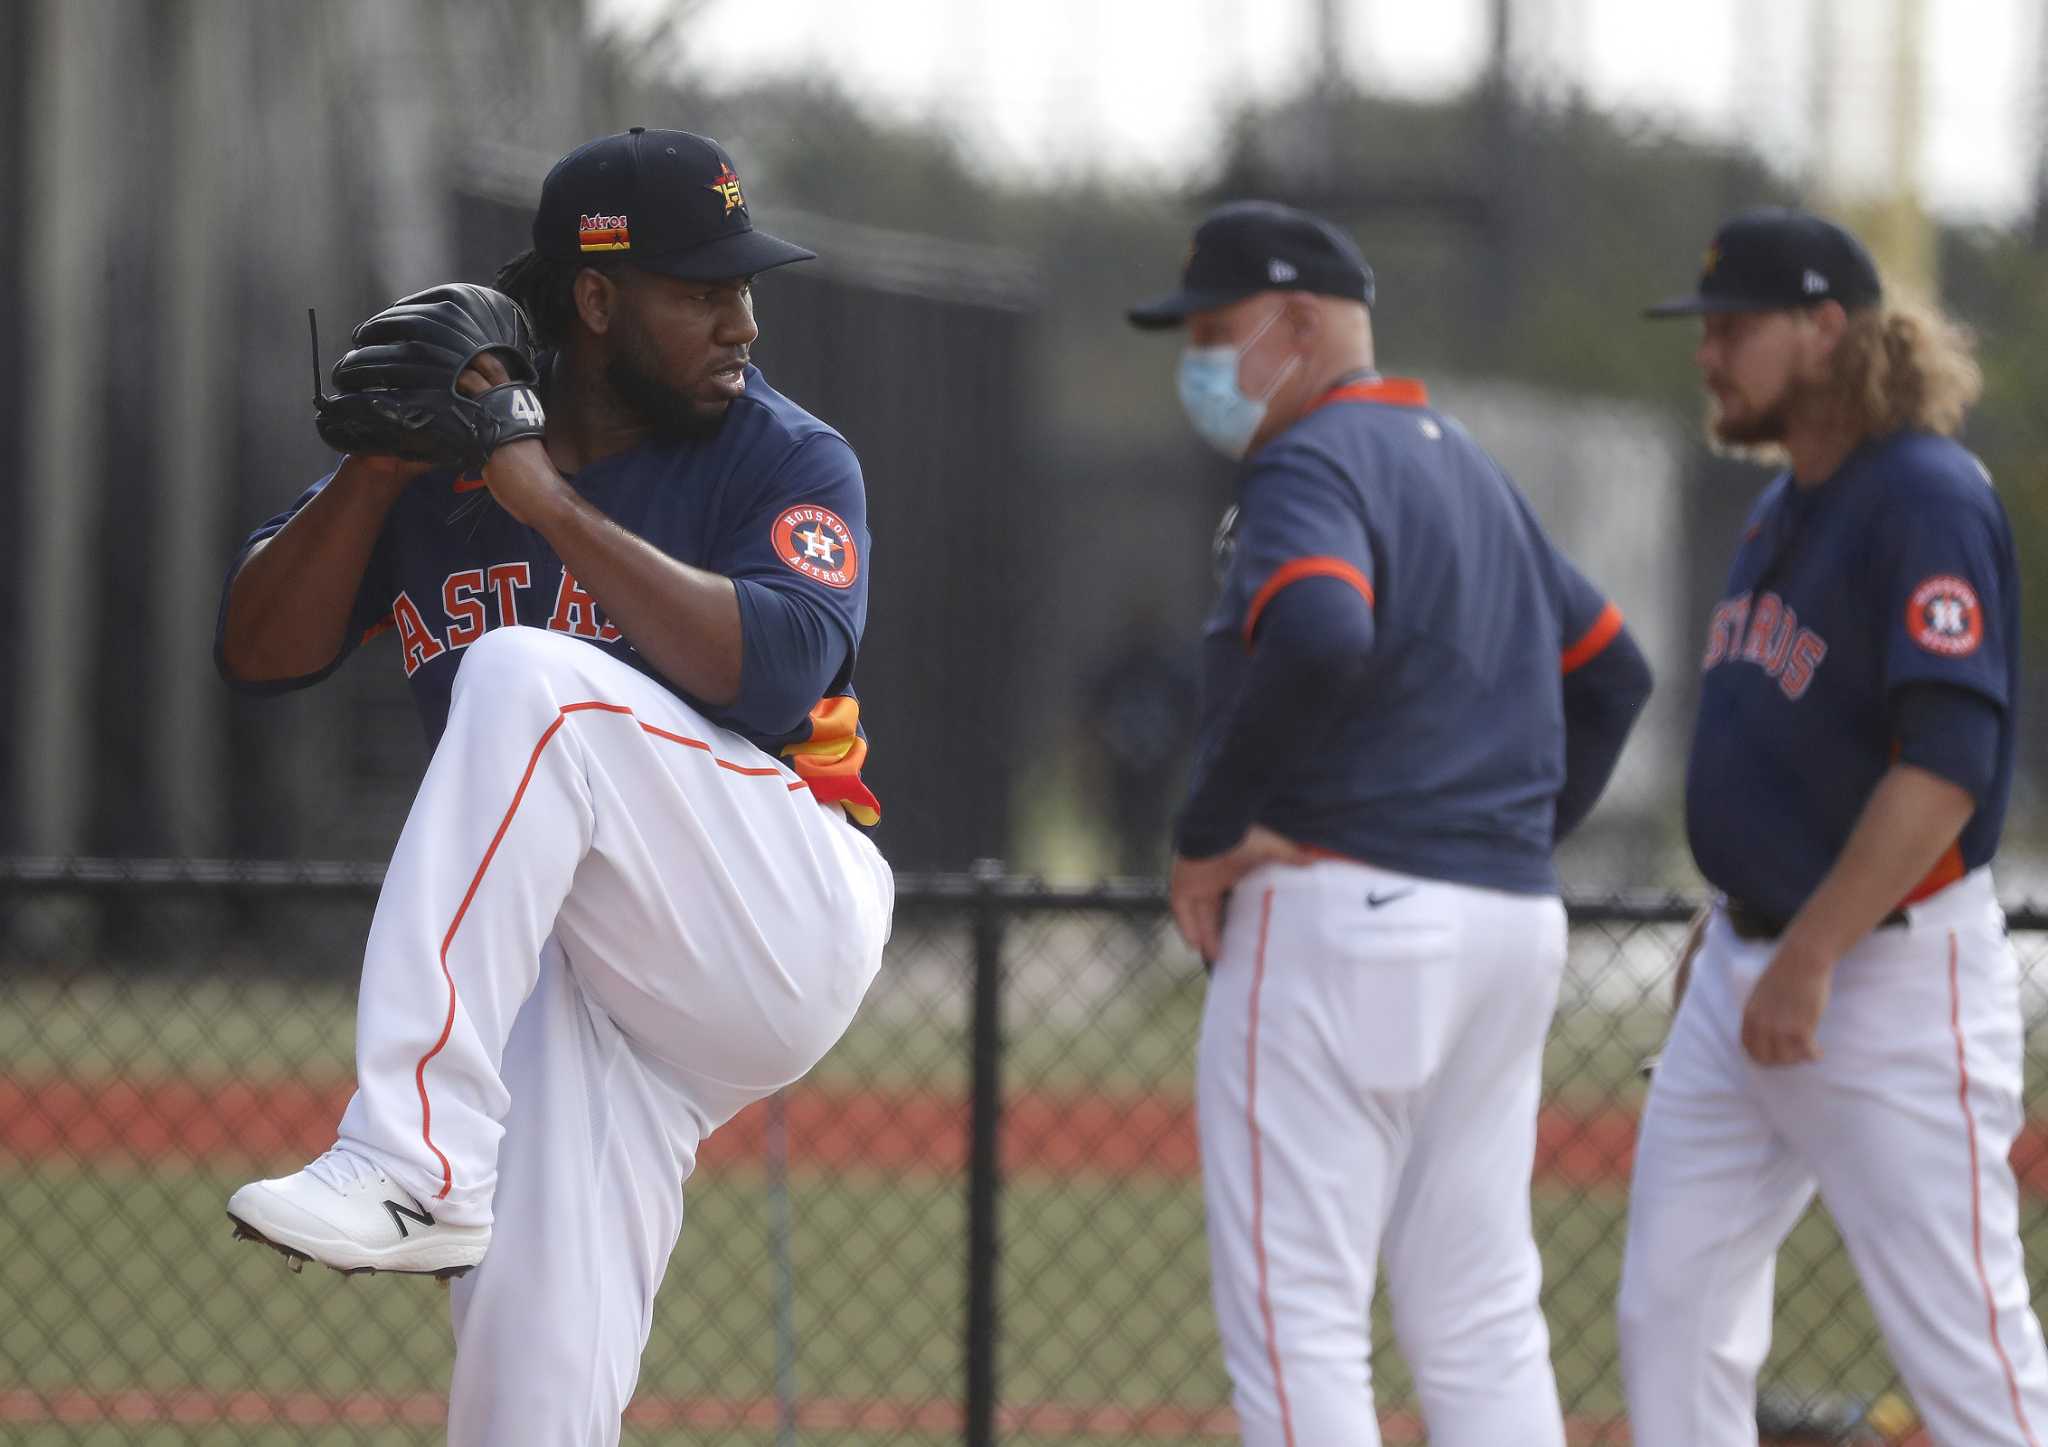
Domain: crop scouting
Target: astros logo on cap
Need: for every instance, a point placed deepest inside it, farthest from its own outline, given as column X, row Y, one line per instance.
column 728, row 186
column 603, row 233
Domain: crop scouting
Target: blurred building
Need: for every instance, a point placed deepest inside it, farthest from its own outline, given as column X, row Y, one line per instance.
column 191, row 176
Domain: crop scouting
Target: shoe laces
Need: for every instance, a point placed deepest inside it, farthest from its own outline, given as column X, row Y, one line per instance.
column 344, row 1170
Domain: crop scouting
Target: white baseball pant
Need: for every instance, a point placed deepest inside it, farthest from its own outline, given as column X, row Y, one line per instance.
column 1367, row 1086
column 607, row 927
column 1903, row 1126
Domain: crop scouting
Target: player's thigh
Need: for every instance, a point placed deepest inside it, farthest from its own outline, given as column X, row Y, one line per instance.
column 1477, row 1113
column 1505, row 969
column 1922, row 1054
column 1459, row 1230
column 1715, row 1187
column 729, row 921
column 745, row 982
column 1910, row 1123
column 1297, row 1162
column 1332, row 1010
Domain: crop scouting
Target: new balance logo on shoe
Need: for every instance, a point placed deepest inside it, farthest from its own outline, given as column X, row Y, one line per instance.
column 399, row 1212
column 341, row 1211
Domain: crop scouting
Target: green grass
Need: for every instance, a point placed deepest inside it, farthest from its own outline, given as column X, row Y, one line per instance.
column 212, row 1029
column 248, row 1436
column 1140, row 1038
column 113, row 1279
column 121, row 1280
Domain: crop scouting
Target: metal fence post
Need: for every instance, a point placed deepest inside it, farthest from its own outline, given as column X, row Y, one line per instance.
column 984, row 1153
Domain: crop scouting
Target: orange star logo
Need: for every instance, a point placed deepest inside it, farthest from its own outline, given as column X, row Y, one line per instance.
column 728, row 186
column 1711, row 260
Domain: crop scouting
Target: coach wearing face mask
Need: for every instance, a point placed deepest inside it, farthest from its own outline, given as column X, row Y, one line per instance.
column 1409, row 696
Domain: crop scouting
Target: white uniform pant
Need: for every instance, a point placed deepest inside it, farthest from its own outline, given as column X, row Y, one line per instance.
column 1903, row 1125
column 607, row 927
column 1367, row 1088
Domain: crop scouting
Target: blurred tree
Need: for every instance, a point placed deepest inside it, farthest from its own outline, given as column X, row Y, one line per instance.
column 1444, row 196
column 1998, row 283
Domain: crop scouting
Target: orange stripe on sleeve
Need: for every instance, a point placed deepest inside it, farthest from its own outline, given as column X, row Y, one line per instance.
column 1294, row 572
column 1596, row 639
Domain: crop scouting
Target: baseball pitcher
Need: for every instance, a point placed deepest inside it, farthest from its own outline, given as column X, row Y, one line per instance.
column 627, row 582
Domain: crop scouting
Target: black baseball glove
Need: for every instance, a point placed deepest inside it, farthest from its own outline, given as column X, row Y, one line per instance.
column 395, row 389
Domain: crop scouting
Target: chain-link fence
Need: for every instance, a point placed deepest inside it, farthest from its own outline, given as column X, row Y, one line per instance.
column 979, row 1219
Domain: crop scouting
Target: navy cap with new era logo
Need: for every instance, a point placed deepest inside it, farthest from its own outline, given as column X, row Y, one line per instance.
column 667, row 201
column 1248, row 247
column 1775, row 258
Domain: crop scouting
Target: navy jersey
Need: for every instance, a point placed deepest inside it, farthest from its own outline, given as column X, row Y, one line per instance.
column 773, row 500
column 1898, row 570
column 1450, row 764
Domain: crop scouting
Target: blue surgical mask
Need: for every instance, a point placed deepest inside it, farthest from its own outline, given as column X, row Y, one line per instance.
column 1223, row 416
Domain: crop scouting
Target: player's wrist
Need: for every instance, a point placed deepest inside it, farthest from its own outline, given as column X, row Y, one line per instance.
column 525, row 483
column 1807, row 949
column 382, row 477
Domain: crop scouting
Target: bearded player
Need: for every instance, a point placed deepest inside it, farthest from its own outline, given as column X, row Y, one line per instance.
column 627, row 581
column 1852, row 1023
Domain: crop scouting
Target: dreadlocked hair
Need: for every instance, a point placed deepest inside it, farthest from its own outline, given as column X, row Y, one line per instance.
column 545, row 287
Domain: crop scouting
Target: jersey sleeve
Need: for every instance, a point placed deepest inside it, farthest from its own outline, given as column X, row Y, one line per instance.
column 1305, row 672
column 370, row 615
column 1588, row 621
column 1300, row 517
column 1943, row 573
column 799, row 565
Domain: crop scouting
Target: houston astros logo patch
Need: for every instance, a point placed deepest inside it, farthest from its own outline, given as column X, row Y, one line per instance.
column 817, row 544
column 1943, row 616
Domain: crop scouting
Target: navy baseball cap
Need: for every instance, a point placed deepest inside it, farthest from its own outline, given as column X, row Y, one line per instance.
column 1247, row 247
column 667, row 201
column 1775, row 258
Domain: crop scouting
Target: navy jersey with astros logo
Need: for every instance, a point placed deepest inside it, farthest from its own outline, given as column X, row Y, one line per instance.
column 1450, row 764
column 773, row 500
column 1897, row 570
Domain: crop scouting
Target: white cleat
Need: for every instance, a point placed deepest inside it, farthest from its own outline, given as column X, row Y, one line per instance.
column 344, row 1212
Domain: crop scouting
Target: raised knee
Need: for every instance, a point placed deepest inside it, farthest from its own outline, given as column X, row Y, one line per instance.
column 515, row 645
column 514, row 658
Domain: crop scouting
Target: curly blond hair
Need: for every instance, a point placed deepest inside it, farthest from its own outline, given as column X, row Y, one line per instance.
column 1904, row 364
